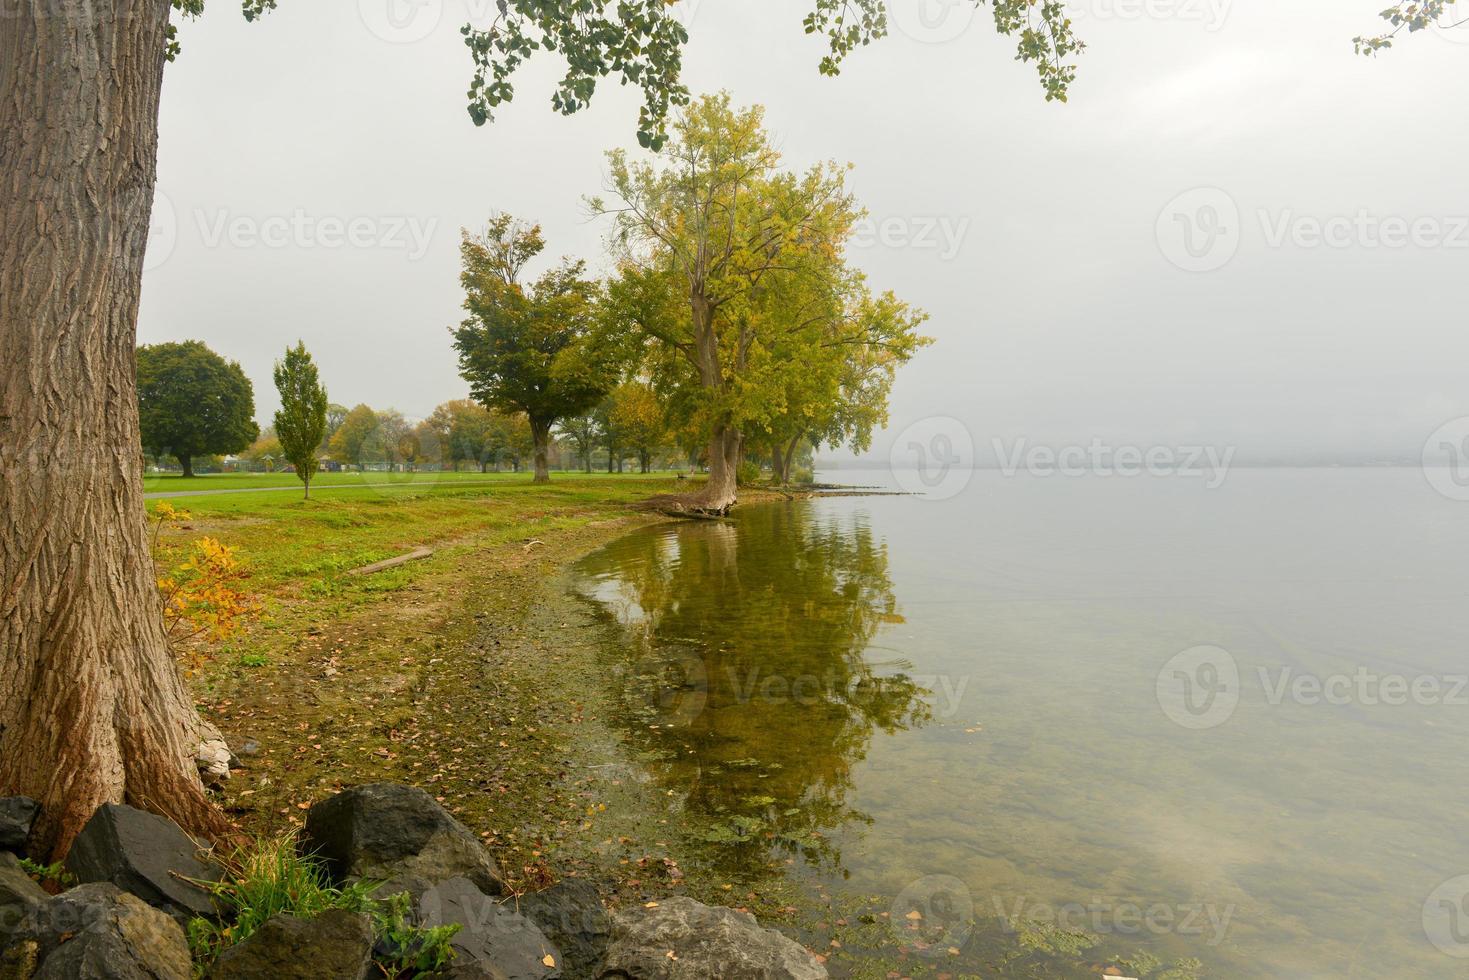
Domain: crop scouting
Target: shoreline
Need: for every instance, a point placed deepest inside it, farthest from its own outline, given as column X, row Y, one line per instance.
column 482, row 676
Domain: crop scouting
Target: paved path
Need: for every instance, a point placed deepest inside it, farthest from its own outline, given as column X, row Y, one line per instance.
column 407, row 484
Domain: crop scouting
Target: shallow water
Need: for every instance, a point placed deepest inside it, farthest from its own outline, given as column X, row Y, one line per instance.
column 1228, row 724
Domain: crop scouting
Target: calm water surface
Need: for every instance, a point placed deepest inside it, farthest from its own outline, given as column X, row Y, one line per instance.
column 1079, row 717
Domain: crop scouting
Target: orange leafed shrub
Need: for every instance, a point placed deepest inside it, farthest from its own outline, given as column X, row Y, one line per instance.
column 204, row 596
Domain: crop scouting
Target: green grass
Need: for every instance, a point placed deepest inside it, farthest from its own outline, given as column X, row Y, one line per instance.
column 174, row 483
column 269, row 877
column 297, row 553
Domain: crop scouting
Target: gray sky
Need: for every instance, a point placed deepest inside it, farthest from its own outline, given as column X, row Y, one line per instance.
column 316, row 167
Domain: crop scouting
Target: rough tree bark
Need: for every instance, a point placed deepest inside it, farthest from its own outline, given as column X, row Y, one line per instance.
column 92, row 707
column 187, row 463
column 540, row 432
column 718, row 493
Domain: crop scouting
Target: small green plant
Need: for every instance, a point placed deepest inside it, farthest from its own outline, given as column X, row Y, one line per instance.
column 253, row 660
column 270, row 877
column 413, row 951
column 43, row 873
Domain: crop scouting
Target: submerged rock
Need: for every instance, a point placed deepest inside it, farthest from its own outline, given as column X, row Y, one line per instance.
column 571, row 915
column 491, row 935
column 681, row 939
column 144, row 854
column 336, row 943
column 387, row 832
column 17, row 814
column 99, row 932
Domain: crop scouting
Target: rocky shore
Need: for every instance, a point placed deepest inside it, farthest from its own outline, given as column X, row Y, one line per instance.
column 137, row 883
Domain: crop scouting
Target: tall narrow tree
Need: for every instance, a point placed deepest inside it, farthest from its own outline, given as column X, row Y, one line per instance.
column 532, row 347
column 300, row 425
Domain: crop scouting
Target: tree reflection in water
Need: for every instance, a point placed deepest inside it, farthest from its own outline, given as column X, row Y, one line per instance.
column 742, row 663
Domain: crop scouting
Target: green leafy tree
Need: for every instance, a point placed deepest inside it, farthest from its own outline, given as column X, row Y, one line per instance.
column 583, row 433
column 334, row 415
column 756, row 255
column 300, row 425
column 265, row 451
column 529, row 347
column 192, row 402
column 635, row 414
column 353, row 435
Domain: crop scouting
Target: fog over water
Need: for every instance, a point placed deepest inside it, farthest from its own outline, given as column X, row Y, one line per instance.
column 1237, row 233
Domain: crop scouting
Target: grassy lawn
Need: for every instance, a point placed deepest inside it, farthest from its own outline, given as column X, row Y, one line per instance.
column 174, row 483
column 449, row 673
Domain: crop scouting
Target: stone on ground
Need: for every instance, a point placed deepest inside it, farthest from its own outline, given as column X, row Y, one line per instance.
column 144, row 854
column 681, row 939
column 17, row 813
column 492, row 933
column 388, row 832
column 336, row 943
column 99, row 932
column 571, row 915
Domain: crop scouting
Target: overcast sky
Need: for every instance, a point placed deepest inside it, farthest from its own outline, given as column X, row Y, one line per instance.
column 1237, row 231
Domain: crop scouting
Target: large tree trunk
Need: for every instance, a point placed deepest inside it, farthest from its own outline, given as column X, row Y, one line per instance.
column 540, row 433
column 717, row 495
column 92, row 707
column 187, row 462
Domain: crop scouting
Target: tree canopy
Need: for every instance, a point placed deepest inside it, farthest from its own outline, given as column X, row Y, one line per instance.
column 735, row 270
column 530, row 347
column 192, row 402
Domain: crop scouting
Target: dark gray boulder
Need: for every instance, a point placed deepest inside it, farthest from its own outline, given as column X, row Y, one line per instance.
column 467, row 970
column 705, row 941
column 336, row 943
column 491, row 934
column 144, row 854
column 19, row 898
column 571, row 915
column 388, row 832
column 98, row 932
column 17, row 814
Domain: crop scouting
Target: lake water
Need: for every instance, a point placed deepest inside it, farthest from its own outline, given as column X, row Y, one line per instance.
column 1054, row 723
